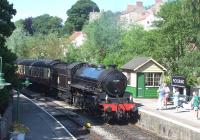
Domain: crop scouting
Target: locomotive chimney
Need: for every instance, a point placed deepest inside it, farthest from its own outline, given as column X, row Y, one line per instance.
column 112, row 66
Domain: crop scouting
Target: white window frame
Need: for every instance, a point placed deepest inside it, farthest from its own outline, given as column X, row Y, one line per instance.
column 153, row 79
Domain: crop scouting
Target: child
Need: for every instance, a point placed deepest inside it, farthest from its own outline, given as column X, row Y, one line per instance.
column 196, row 103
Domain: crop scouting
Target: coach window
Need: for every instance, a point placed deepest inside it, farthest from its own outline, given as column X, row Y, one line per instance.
column 152, row 79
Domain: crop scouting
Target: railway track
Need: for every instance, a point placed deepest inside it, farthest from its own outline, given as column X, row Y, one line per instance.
column 74, row 121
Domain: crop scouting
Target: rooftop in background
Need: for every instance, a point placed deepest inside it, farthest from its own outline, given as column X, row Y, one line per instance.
column 77, row 39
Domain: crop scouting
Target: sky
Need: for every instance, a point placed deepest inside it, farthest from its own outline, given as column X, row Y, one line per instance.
column 33, row 8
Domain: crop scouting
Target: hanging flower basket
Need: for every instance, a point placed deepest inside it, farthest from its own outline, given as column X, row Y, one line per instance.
column 19, row 131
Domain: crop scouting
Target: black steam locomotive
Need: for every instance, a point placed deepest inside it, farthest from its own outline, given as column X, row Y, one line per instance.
column 93, row 88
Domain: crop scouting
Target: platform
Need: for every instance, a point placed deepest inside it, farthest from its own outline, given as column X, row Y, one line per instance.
column 181, row 125
column 42, row 125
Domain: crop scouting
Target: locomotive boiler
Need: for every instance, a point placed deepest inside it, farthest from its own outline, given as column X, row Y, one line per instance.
column 93, row 88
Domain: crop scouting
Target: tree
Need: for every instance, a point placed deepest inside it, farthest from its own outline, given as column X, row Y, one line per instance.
column 191, row 11
column 132, row 43
column 177, row 33
column 174, row 31
column 103, row 37
column 44, row 24
column 28, row 25
column 6, row 28
column 78, row 15
column 6, row 25
column 49, row 46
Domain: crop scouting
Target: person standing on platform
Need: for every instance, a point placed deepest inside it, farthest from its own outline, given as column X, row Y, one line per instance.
column 176, row 99
column 161, row 95
column 196, row 103
column 167, row 91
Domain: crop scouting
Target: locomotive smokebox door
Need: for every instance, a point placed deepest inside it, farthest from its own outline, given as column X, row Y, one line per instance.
column 115, row 84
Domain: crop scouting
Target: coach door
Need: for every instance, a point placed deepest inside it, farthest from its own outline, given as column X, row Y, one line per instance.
column 140, row 85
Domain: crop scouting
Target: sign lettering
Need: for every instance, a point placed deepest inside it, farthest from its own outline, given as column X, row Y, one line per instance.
column 178, row 81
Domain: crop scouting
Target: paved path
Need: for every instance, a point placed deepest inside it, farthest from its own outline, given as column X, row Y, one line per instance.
column 41, row 124
column 185, row 118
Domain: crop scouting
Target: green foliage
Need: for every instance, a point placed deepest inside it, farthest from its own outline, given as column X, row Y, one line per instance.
column 191, row 11
column 28, row 25
column 103, row 37
column 4, row 98
column 177, row 35
column 133, row 43
column 44, row 24
column 78, row 15
column 20, row 128
column 6, row 28
column 17, row 42
column 73, row 54
column 38, row 46
column 6, row 15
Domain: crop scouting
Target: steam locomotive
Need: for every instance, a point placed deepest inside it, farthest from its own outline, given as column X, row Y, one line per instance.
column 92, row 88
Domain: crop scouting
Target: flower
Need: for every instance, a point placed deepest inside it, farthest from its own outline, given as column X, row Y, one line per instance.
column 20, row 128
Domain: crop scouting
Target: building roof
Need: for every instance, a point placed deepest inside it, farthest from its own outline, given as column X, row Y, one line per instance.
column 138, row 62
column 74, row 36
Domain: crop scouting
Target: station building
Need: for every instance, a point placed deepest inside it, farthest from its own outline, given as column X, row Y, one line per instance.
column 144, row 77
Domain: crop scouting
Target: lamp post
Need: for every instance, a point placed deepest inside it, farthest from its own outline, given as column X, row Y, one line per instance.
column 26, row 84
column 2, row 80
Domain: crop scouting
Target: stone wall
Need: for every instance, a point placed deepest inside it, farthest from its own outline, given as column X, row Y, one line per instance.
column 166, row 128
column 5, row 123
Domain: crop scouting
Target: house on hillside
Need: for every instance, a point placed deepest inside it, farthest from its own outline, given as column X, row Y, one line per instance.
column 144, row 76
column 138, row 14
column 77, row 39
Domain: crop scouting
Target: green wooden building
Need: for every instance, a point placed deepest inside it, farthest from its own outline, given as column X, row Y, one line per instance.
column 144, row 76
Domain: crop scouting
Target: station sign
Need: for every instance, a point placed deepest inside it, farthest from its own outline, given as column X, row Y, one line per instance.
column 178, row 81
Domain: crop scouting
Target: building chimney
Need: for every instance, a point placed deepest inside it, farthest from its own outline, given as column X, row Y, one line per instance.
column 158, row 1
column 139, row 4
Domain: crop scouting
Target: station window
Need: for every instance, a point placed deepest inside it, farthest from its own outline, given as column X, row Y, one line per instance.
column 152, row 79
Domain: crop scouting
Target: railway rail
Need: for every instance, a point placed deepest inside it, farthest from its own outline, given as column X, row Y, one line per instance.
column 74, row 120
